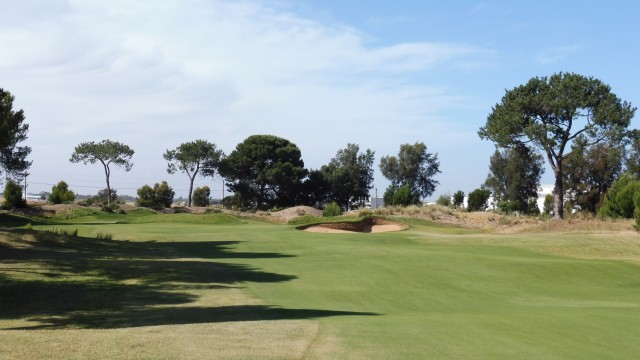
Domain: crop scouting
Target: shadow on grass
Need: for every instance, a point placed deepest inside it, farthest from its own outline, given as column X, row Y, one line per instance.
column 73, row 282
column 182, row 315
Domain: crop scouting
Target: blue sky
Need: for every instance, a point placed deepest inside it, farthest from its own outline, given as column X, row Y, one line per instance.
column 319, row 73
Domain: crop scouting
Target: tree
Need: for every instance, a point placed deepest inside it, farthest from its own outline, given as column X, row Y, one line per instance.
column 387, row 198
column 193, row 158
column 514, row 177
column 108, row 153
column 158, row 197
column 315, row 190
column 13, row 130
column 553, row 113
column 633, row 160
column 164, row 194
column 201, row 196
column 60, row 193
column 413, row 166
column 620, row 199
column 478, row 199
column 350, row 176
column 103, row 196
column 458, row 199
column 146, row 197
column 12, row 195
column 265, row 171
column 589, row 174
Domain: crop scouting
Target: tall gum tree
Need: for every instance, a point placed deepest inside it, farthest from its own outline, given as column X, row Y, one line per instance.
column 107, row 153
column 552, row 114
column 193, row 158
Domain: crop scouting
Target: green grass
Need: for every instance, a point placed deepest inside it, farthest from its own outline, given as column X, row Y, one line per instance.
column 185, row 286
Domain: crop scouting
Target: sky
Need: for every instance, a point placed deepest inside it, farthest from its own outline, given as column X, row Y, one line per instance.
column 320, row 73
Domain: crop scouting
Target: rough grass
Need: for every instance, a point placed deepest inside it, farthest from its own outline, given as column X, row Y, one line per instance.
column 255, row 290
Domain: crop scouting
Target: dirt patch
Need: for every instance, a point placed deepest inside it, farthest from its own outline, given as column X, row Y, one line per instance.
column 368, row 225
column 294, row 212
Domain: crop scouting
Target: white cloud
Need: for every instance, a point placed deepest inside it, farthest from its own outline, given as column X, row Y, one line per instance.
column 154, row 74
column 556, row 54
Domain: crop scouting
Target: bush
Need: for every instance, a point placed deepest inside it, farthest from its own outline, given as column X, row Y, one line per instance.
column 548, row 204
column 458, row 199
column 201, row 196
column 619, row 200
column 478, row 200
column 403, row 196
column 332, row 209
column 387, row 198
column 506, row 207
column 532, row 207
column 158, row 197
column 12, row 195
column 60, row 193
column 444, row 200
column 103, row 198
column 164, row 194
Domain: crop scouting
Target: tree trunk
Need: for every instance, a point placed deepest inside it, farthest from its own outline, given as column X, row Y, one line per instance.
column 558, row 196
column 107, row 172
column 191, row 188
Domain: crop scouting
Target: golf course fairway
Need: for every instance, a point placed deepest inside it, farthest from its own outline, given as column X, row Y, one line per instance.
column 238, row 289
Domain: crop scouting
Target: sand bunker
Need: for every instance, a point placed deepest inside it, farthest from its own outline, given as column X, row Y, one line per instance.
column 368, row 225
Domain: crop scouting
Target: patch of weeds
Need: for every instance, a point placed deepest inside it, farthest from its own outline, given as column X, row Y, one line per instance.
column 75, row 213
column 64, row 232
column 104, row 236
column 365, row 212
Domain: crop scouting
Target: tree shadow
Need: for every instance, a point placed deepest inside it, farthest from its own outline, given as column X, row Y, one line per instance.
column 74, row 282
column 181, row 315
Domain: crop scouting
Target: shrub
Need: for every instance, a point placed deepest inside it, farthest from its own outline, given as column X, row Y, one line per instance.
column 102, row 196
column 403, row 196
column 158, row 197
column 146, row 197
column 548, row 204
column 458, row 199
column 532, row 207
column 164, row 194
column 201, row 196
column 444, row 200
column 13, row 195
column 619, row 200
column 387, row 198
column 506, row 207
column 60, row 193
column 227, row 202
column 478, row 199
column 332, row 209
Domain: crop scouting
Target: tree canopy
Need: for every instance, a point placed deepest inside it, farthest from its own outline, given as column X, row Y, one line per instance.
column 514, row 176
column 193, row 158
column 591, row 173
column 265, row 171
column 552, row 113
column 106, row 152
column 414, row 167
column 13, row 130
column 350, row 176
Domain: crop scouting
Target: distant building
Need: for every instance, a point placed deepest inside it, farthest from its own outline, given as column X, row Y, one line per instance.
column 376, row 202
